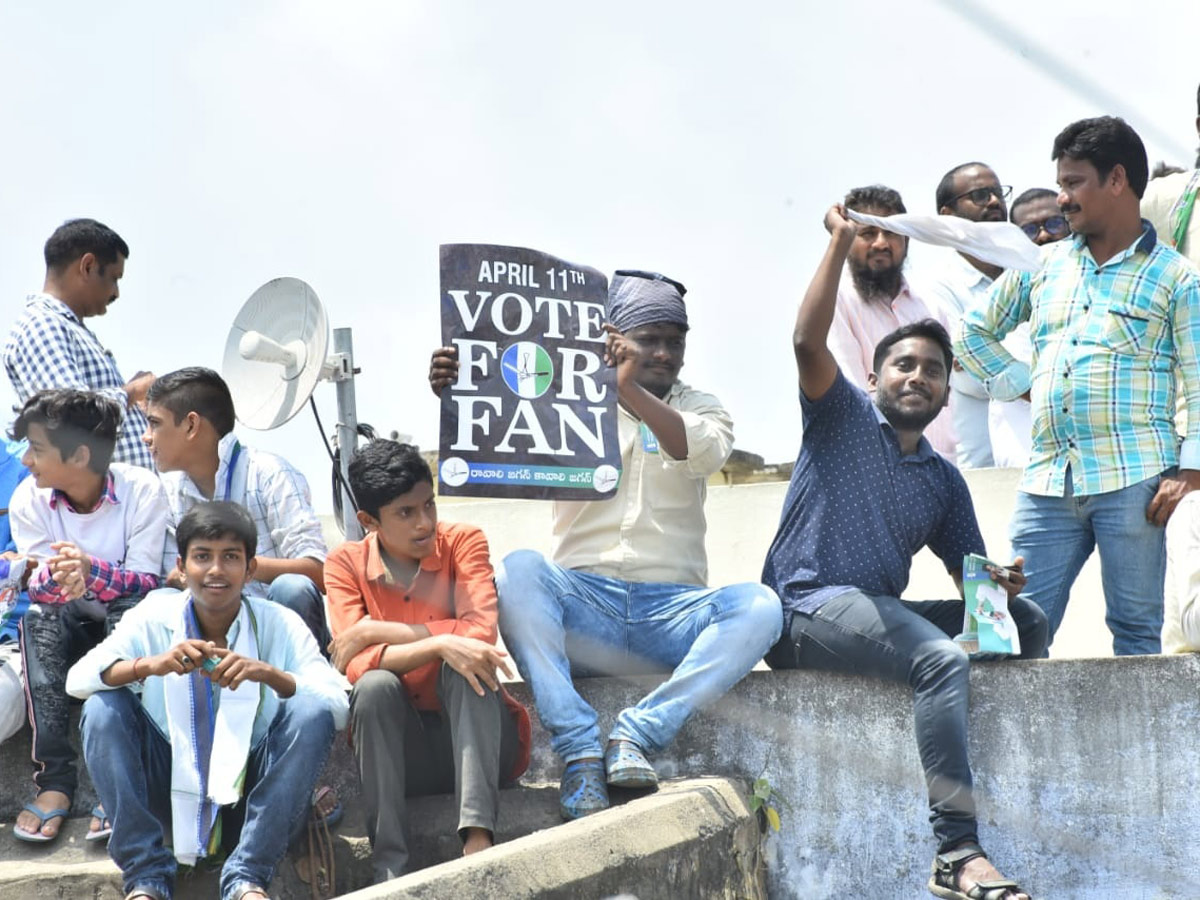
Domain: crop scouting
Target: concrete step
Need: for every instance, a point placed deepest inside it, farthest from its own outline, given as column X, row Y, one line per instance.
column 72, row 868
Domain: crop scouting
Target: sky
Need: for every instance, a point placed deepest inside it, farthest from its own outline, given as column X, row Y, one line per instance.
column 231, row 143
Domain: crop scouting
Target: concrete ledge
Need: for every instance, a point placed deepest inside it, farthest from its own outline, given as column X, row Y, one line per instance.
column 693, row 838
column 1085, row 775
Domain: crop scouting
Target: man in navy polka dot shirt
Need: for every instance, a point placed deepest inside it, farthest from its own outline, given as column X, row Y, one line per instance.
column 867, row 493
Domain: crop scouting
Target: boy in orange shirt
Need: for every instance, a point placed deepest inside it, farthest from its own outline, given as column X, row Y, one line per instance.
column 413, row 610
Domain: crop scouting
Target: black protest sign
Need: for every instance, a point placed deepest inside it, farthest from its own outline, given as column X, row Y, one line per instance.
column 533, row 412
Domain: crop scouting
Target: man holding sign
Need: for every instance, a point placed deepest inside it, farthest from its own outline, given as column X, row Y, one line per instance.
column 626, row 589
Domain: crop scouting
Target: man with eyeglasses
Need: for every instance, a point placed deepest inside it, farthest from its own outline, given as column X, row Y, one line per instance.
column 1117, row 314
column 1010, row 422
column 969, row 191
column 1037, row 214
column 625, row 592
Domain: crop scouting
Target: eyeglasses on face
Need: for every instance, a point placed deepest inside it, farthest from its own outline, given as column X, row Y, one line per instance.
column 980, row 196
column 652, row 276
column 1056, row 226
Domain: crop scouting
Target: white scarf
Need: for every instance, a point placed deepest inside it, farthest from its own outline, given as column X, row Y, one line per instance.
column 999, row 243
column 196, row 796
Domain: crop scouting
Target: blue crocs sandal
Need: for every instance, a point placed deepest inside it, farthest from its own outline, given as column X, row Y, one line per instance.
column 582, row 791
column 627, row 766
column 36, row 837
column 104, row 832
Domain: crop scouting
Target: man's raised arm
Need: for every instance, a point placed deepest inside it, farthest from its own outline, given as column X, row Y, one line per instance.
column 810, row 338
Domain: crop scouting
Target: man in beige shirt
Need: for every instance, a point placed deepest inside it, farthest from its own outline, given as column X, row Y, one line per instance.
column 1169, row 203
column 625, row 592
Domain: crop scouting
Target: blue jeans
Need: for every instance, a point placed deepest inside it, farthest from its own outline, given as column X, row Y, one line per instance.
column 559, row 622
column 908, row 642
column 1056, row 535
column 300, row 595
column 129, row 759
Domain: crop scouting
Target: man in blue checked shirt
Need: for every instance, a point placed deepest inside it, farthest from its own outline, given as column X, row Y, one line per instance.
column 1115, row 323
column 50, row 346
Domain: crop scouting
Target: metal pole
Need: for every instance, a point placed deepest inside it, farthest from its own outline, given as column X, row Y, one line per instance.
column 347, row 423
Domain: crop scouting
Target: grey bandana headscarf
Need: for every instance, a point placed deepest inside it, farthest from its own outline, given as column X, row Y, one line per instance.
column 636, row 300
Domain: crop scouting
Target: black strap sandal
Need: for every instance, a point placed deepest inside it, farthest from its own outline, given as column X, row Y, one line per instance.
column 944, row 880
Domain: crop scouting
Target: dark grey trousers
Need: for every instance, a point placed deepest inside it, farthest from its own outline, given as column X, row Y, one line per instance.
column 467, row 748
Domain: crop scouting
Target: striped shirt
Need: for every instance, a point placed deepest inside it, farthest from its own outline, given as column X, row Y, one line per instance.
column 1106, row 343
column 50, row 347
column 276, row 495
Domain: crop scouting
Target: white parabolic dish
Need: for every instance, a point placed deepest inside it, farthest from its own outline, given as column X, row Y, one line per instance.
column 283, row 329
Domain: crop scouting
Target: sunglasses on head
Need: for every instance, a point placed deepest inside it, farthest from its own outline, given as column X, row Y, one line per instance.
column 980, row 196
column 652, row 276
column 1056, row 226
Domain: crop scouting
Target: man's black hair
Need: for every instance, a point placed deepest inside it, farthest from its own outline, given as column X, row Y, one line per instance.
column 194, row 389
column 1028, row 197
column 1105, row 142
column 216, row 519
column 74, row 238
column 874, row 197
column 72, row 419
column 944, row 195
column 382, row 470
column 922, row 328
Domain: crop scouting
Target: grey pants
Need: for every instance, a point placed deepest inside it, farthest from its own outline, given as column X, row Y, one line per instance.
column 468, row 747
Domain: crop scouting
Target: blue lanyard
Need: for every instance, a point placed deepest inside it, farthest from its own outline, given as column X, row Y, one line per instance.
column 233, row 458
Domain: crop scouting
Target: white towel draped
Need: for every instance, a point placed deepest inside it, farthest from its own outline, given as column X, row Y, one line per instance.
column 186, row 708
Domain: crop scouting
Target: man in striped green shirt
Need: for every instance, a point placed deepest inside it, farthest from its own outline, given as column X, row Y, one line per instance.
column 1114, row 314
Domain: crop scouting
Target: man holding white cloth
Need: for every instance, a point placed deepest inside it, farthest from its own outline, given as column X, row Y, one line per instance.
column 215, row 760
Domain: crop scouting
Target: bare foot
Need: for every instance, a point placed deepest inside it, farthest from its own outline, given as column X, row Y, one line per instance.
column 46, row 801
column 980, row 869
column 476, row 839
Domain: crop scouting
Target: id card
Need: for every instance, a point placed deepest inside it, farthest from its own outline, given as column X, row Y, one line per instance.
column 649, row 441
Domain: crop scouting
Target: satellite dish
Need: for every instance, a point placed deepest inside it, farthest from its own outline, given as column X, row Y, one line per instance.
column 274, row 357
column 275, row 354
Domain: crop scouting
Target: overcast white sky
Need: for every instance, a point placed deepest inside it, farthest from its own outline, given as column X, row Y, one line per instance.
column 230, row 143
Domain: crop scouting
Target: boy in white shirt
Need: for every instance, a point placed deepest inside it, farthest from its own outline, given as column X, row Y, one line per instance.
column 227, row 721
column 97, row 532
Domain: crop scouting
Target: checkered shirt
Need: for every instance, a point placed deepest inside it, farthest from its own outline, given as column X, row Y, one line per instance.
column 1108, row 342
column 276, row 495
column 50, row 347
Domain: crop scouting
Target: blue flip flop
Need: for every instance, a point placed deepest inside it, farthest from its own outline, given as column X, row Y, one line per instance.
column 36, row 837
column 104, row 832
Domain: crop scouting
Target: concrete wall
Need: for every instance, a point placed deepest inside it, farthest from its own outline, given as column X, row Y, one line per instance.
column 1085, row 773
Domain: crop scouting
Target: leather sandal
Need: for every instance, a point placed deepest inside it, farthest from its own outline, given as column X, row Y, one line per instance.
column 582, row 790
column 946, row 868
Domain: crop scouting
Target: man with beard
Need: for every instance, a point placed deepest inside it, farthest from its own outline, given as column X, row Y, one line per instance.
column 867, row 492
column 877, row 300
column 1115, row 313
column 969, row 191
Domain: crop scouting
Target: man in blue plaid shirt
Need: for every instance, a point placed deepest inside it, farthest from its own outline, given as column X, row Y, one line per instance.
column 1114, row 315
column 51, row 347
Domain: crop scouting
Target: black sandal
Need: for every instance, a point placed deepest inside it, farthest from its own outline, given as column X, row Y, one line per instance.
column 946, row 868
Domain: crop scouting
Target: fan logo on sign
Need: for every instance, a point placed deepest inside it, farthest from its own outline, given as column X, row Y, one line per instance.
column 527, row 369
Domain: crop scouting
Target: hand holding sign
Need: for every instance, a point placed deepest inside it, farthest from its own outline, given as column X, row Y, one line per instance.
column 528, row 407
